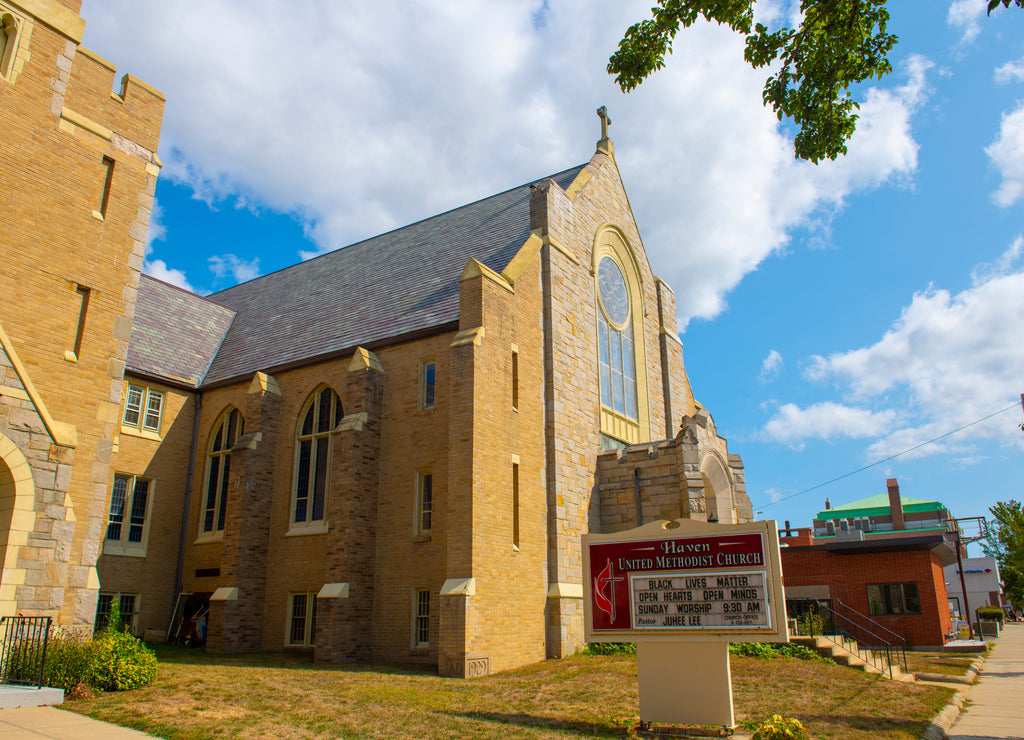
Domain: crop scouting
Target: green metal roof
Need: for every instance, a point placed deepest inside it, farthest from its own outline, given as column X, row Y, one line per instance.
column 879, row 506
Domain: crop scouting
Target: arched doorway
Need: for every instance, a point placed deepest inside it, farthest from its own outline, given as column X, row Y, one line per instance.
column 717, row 490
column 17, row 519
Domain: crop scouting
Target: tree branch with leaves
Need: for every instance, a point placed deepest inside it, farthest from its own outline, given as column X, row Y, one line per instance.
column 837, row 44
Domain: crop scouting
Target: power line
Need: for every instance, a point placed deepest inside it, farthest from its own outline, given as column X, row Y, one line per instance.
column 891, row 457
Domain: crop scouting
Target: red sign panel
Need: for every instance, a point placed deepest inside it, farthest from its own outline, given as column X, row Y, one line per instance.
column 612, row 564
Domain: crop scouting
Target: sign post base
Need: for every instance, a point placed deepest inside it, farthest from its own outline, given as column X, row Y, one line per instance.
column 685, row 683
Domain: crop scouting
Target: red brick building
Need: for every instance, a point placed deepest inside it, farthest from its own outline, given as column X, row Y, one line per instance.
column 881, row 557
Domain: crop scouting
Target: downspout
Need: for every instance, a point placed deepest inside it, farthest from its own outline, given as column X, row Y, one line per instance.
column 179, row 567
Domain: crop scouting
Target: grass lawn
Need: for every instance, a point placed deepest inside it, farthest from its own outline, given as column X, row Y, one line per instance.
column 201, row 696
column 955, row 664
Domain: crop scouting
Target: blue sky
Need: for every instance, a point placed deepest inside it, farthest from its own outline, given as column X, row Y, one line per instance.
column 834, row 315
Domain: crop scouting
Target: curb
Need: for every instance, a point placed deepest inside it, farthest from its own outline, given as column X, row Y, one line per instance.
column 941, row 722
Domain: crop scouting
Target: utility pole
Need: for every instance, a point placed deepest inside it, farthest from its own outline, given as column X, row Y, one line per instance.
column 960, row 544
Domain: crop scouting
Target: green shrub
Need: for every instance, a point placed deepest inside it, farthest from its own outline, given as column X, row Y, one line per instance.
column 769, row 650
column 68, row 662
column 121, row 662
column 611, row 648
column 778, row 727
column 991, row 612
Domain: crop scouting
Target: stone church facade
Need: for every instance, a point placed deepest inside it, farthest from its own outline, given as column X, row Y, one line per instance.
column 388, row 453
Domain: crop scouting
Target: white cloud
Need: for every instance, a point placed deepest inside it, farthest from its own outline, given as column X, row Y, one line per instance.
column 966, row 15
column 1010, row 72
column 793, row 425
column 1007, row 154
column 362, row 117
column 771, row 367
column 157, row 230
column 229, row 265
column 947, row 361
column 159, row 270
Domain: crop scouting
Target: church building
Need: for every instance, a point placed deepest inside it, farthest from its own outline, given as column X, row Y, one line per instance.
column 386, row 453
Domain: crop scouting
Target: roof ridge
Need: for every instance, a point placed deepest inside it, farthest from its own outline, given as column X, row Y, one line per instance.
column 409, row 225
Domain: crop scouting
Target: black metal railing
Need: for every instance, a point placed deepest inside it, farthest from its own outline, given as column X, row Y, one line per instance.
column 23, row 650
column 856, row 633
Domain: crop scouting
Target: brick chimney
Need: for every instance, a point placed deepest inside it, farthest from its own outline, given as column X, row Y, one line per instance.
column 895, row 505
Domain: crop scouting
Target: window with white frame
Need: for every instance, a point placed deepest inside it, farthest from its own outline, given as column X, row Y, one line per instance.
column 127, row 603
column 127, row 520
column 143, row 409
column 428, row 384
column 421, row 618
column 424, row 502
column 301, row 618
column 319, row 417
column 229, row 427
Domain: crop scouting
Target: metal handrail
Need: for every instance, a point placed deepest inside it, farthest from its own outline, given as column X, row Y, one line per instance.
column 23, row 650
column 890, row 649
column 899, row 638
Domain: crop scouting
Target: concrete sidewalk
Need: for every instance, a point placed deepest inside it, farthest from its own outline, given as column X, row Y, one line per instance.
column 38, row 723
column 996, row 704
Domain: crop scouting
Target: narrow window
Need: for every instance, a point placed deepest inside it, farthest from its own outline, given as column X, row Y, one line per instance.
column 8, row 47
column 154, row 406
column 83, row 308
column 424, row 502
column 515, row 379
column 133, row 405
column 318, row 419
column 126, row 520
column 421, row 618
column 515, row 504
column 108, row 178
column 302, row 620
column 428, row 377
column 226, row 432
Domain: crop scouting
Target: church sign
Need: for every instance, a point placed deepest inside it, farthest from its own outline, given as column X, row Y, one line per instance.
column 683, row 590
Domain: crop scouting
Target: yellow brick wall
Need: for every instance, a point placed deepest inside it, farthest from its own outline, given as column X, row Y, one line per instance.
column 165, row 462
column 52, row 182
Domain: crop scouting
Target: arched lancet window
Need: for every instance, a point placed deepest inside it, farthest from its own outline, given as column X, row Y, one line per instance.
column 229, row 427
column 624, row 405
column 321, row 415
column 615, row 340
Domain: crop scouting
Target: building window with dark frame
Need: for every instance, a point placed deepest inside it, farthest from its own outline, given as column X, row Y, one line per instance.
column 301, row 618
column 424, row 502
column 128, row 515
column 127, row 603
column 226, row 432
column 893, row 598
column 421, row 618
column 319, row 417
column 427, row 384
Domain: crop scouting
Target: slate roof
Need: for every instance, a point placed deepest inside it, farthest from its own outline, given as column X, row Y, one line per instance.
column 394, row 284
column 176, row 333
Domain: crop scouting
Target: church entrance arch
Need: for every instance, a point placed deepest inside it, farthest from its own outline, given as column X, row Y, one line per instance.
column 17, row 519
column 717, row 489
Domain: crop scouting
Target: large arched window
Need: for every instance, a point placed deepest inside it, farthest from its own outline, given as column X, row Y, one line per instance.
column 229, row 427
column 620, row 350
column 321, row 414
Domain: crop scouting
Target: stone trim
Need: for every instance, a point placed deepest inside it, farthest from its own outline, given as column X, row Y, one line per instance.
column 333, row 591
column 474, row 269
column 76, row 119
column 469, row 336
column 62, row 433
column 364, row 359
column 225, row 593
column 23, row 521
column 263, row 383
column 565, row 591
column 55, row 15
column 459, row 587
